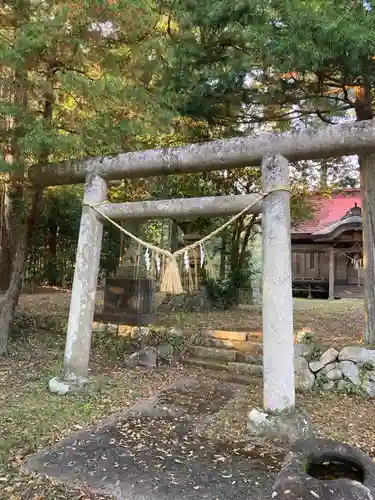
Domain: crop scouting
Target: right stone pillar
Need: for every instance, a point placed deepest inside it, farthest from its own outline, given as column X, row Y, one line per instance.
column 278, row 340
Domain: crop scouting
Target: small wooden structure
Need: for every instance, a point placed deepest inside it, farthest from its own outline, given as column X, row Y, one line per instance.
column 129, row 297
column 327, row 251
column 128, row 301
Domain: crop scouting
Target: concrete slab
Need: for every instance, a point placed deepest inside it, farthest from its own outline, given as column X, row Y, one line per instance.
column 155, row 451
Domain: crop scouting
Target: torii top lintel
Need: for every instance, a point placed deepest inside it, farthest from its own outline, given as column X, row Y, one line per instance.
column 331, row 141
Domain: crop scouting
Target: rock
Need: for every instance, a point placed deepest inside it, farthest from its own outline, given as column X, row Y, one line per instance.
column 304, row 379
column 73, row 384
column 369, row 388
column 98, row 327
column 131, row 361
column 357, row 354
column 165, row 354
column 302, row 350
column 316, row 366
column 148, row 357
column 257, row 417
column 112, row 328
column 328, row 368
column 285, row 427
column 134, row 332
column 327, row 357
column 335, row 374
column 329, row 385
column 350, row 371
column 124, row 330
column 138, row 332
column 368, row 384
column 58, row 387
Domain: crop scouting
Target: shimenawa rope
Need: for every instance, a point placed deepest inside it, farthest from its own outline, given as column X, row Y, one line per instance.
column 171, row 279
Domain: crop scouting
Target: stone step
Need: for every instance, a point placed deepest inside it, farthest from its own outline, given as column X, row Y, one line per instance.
column 237, row 378
column 221, row 371
column 253, row 359
column 227, row 355
column 210, row 364
column 245, row 346
column 213, row 352
column 227, row 335
column 234, row 335
column 245, row 369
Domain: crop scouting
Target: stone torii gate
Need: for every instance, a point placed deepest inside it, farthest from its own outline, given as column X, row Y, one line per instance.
column 272, row 152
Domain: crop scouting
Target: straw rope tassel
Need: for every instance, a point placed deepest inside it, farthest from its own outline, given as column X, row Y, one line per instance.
column 171, row 279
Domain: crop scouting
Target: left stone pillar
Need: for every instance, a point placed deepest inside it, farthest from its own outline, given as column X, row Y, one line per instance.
column 82, row 303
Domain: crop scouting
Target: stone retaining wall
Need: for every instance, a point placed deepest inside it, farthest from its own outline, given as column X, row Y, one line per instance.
column 352, row 369
column 134, row 332
column 123, row 330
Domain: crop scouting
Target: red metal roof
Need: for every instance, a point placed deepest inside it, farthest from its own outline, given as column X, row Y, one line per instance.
column 330, row 209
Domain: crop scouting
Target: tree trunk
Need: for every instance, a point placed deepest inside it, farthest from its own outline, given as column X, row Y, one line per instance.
column 324, row 175
column 367, row 166
column 236, row 243
column 51, row 273
column 223, row 253
column 364, row 111
column 122, row 245
column 174, row 236
column 245, row 242
column 19, row 264
column 6, row 257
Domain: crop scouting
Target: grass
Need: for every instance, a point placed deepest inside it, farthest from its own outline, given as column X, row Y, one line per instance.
column 32, row 418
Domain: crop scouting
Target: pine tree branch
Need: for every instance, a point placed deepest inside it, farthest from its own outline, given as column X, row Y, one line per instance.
column 320, row 115
column 61, row 67
column 60, row 127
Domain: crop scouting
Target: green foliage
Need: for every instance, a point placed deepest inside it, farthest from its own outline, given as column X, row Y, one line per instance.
column 367, row 366
column 79, row 78
column 54, row 242
column 288, row 63
column 351, row 388
column 160, row 336
column 223, row 292
column 320, row 380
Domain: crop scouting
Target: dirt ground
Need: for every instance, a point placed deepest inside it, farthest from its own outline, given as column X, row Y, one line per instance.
column 32, row 418
column 335, row 323
column 332, row 322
